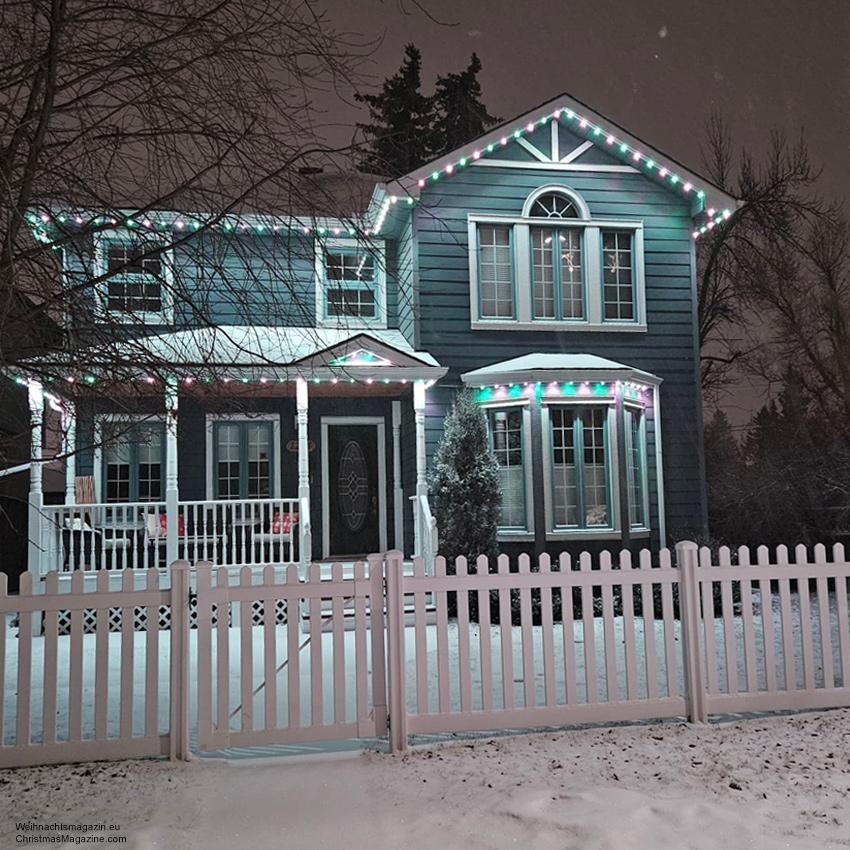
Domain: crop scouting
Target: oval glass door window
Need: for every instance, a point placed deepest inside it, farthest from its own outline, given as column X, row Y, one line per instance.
column 353, row 486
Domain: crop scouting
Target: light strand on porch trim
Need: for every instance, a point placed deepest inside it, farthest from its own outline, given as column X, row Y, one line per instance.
column 563, row 389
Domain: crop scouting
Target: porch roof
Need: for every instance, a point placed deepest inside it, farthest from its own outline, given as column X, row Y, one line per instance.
column 556, row 367
column 267, row 353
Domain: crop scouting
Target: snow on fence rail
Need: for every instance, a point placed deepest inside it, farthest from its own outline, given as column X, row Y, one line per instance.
column 270, row 658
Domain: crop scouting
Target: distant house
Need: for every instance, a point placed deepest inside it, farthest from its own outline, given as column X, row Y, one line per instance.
column 269, row 388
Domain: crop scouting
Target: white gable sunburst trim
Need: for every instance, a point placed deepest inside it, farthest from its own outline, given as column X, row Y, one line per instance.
column 709, row 204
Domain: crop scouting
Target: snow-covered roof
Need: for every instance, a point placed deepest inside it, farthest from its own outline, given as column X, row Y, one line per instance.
column 251, row 345
column 556, row 367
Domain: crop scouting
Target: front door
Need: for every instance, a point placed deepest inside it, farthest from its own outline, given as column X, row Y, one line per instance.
column 352, row 488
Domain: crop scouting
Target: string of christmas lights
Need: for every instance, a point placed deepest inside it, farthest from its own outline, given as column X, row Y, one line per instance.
column 630, row 389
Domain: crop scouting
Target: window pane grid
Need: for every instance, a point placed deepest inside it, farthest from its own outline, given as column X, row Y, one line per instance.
column 133, row 455
column 244, row 460
column 137, row 283
column 579, row 467
column 495, row 272
column 350, row 288
column 506, row 432
column 618, row 289
column 635, row 450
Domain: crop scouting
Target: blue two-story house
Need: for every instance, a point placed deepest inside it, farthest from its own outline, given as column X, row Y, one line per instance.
column 257, row 389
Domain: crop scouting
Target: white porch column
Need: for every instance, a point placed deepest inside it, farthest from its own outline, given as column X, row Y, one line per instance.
column 69, row 448
column 421, row 481
column 398, row 493
column 36, row 496
column 302, row 402
column 172, row 494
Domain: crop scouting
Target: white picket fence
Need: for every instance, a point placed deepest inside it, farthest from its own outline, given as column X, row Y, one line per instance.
column 270, row 657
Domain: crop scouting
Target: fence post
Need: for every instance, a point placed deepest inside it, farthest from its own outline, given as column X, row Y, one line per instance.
column 396, row 654
column 179, row 737
column 689, row 612
column 376, row 631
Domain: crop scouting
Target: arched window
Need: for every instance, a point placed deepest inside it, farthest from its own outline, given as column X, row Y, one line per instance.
column 553, row 205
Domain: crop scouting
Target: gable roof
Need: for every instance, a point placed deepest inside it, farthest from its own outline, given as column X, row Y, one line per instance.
column 594, row 127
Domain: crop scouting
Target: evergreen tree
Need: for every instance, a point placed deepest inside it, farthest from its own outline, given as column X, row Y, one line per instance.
column 461, row 116
column 400, row 133
column 464, row 485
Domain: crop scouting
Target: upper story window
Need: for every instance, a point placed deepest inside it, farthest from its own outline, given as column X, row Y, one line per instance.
column 137, row 281
column 351, row 283
column 555, row 265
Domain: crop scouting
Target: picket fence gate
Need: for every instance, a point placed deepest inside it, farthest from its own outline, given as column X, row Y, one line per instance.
column 376, row 650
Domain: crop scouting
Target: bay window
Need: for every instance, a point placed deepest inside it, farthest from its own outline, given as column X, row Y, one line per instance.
column 506, row 436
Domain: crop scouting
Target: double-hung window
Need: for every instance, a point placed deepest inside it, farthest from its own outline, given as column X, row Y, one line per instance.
column 137, row 279
column 351, row 283
column 244, row 460
column 580, row 467
column 133, row 461
column 634, row 422
column 555, row 266
column 506, row 435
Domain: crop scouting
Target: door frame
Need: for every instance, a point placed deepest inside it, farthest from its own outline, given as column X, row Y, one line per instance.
column 380, row 423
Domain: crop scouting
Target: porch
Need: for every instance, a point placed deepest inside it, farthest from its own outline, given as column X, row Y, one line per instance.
column 203, row 463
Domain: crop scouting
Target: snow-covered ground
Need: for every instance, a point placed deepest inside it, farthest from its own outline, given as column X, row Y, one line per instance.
column 782, row 782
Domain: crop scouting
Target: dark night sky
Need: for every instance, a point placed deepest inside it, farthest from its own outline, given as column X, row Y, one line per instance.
column 656, row 67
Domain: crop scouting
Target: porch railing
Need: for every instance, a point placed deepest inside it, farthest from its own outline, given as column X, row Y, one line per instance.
column 253, row 532
column 426, row 543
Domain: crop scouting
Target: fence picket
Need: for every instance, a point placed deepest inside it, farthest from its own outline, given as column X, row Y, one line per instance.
column 4, row 601
column 101, row 673
column 464, row 665
column 338, row 625
column 270, row 651
column 22, row 731
column 801, row 558
column 670, row 657
column 609, row 643
column 825, row 618
column 152, row 661
column 75, row 681
column 629, row 636
column 526, row 632
column 767, row 624
column 787, row 623
column 729, row 646
column 841, row 589
column 246, row 665
column 648, row 609
column 420, row 641
column 568, row 629
column 361, row 664
column 443, row 698
column 708, row 574
column 506, row 637
column 203, row 585
column 316, row 682
column 485, row 648
column 549, row 682
column 747, row 624
column 588, row 629
column 222, row 652
column 51, row 641
column 128, row 620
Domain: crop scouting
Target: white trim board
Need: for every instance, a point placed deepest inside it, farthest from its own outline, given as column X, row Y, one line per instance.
column 380, row 423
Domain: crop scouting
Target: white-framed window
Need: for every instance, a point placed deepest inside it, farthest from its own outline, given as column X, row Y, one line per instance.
column 581, row 467
column 635, row 428
column 351, row 283
column 243, row 456
column 555, row 266
column 129, row 458
column 137, row 272
column 508, row 429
